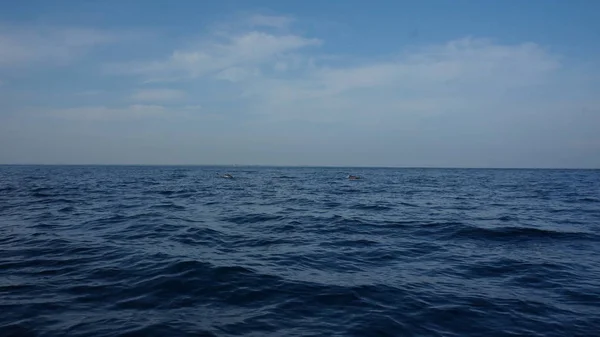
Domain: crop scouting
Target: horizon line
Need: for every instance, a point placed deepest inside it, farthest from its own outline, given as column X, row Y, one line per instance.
column 317, row 166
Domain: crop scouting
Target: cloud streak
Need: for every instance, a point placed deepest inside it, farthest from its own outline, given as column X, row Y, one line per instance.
column 232, row 52
column 157, row 95
column 459, row 77
column 103, row 113
column 26, row 46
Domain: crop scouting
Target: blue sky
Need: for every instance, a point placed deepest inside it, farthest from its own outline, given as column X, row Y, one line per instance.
column 348, row 83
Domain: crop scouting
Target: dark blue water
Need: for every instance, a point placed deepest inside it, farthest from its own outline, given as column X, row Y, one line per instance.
column 180, row 251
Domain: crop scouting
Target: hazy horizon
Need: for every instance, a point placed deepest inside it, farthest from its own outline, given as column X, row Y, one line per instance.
column 313, row 166
column 397, row 84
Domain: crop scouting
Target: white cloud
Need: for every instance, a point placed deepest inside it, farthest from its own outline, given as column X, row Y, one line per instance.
column 157, row 95
column 280, row 66
column 461, row 75
column 239, row 51
column 193, row 107
column 131, row 112
column 96, row 113
column 48, row 45
column 237, row 74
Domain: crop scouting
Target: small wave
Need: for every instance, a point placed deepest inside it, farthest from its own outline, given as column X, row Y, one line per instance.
column 318, row 296
column 261, row 242
column 500, row 268
column 68, row 209
column 298, row 201
column 166, row 193
column 118, row 218
column 339, row 219
column 252, row 218
column 183, row 194
column 169, row 207
column 41, row 195
column 41, row 189
column 18, row 329
column 287, row 227
column 516, row 233
column 438, row 227
column 589, row 200
column 5, row 189
column 200, row 235
column 165, row 329
column 184, row 219
column 351, row 243
column 407, row 204
column 58, row 201
column 347, row 191
column 185, row 282
column 331, row 204
column 371, row 207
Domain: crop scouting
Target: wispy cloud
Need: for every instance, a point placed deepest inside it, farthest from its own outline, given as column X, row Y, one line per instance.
column 157, row 95
column 193, row 107
column 26, row 45
column 132, row 112
column 219, row 53
column 97, row 113
column 238, row 74
column 460, row 75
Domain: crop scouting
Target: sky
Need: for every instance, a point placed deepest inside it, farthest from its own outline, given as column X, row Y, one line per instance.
column 431, row 83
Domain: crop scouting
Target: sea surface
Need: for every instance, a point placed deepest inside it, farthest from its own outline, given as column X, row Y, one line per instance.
column 182, row 251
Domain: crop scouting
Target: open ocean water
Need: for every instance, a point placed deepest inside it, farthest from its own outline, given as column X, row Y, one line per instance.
column 181, row 251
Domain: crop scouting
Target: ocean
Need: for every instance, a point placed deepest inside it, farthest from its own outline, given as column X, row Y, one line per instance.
column 182, row 251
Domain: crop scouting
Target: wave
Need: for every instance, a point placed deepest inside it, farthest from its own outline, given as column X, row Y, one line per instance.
column 517, row 233
column 371, row 207
column 170, row 206
column 351, row 243
column 252, row 218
